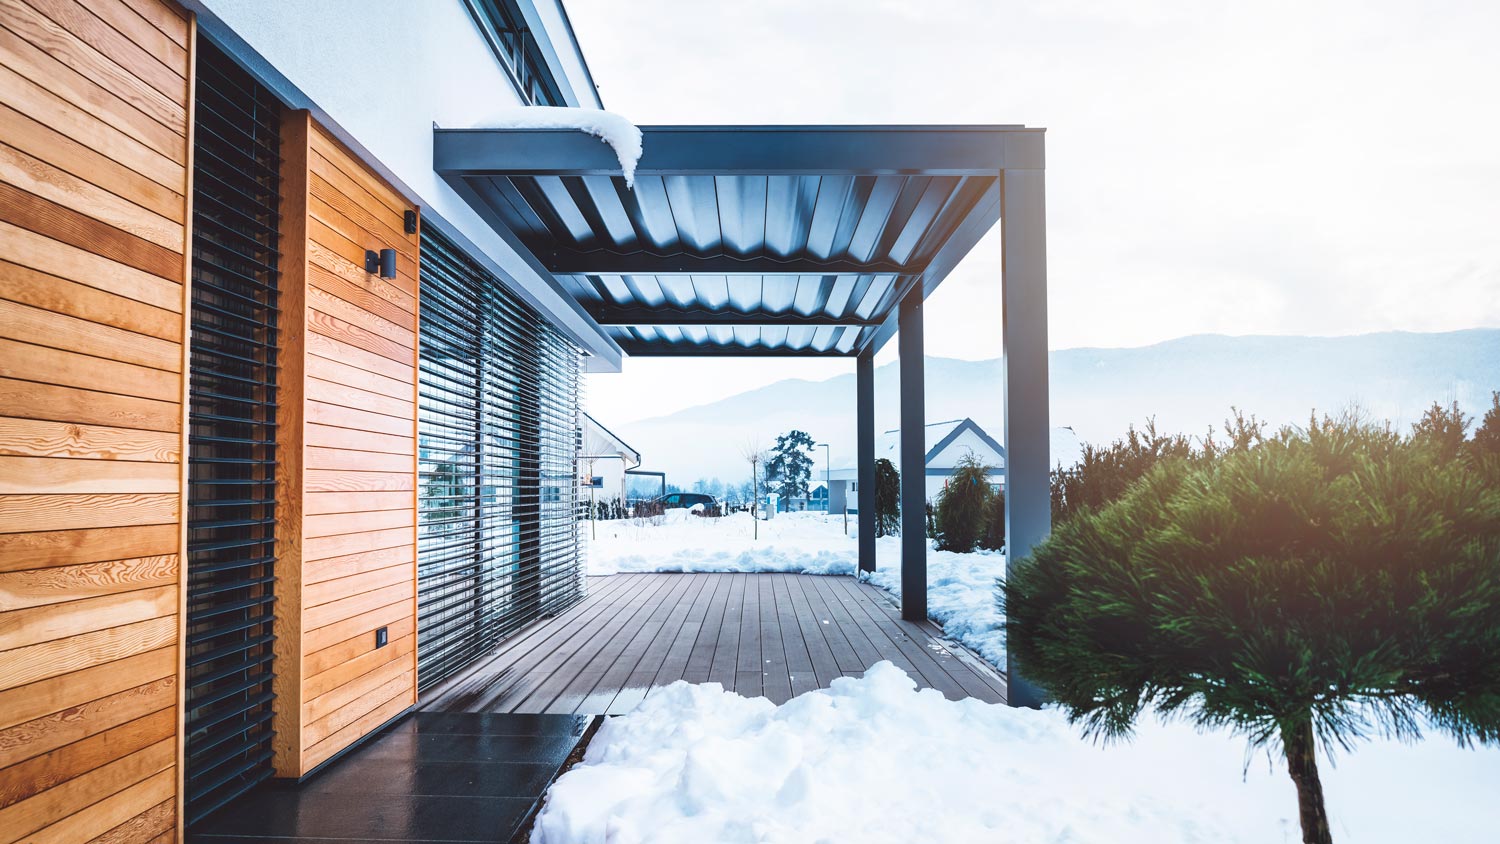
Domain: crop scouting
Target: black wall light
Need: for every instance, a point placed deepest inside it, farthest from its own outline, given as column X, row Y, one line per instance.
column 383, row 262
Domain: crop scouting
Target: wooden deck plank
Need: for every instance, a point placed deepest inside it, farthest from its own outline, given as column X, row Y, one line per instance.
column 820, row 659
column 643, row 674
column 618, row 660
column 702, row 656
column 726, row 652
column 476, row 689
column 533, row 667
column 918, row 647
column 776, row 635
column 572, row 674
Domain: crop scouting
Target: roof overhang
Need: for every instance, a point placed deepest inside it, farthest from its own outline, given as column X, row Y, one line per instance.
column 743, row 240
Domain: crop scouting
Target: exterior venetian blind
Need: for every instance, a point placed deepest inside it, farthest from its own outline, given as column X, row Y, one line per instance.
column 232, row 434
column 497, row 538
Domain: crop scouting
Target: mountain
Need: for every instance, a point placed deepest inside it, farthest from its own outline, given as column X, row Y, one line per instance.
column 1187, row 384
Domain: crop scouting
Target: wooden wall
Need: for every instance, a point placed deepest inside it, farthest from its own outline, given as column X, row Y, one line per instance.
column 94, row 187
column 347, row 553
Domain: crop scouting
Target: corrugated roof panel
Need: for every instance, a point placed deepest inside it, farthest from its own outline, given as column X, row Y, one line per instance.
column 789, row 208
column 881, row 286
column 837, row 303
column 778, row 292
column 716, row 249
column 871, row 217
column 652, row 213
column 645, row 291
column 604, row 192
column 711, row 291
column 742, row 212
column 809, row 296
column 745, row 293
column 695, row 207
column 822, row 227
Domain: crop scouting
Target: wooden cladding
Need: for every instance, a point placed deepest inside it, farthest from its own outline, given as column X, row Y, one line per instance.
column 94, row 154
column 347, row 477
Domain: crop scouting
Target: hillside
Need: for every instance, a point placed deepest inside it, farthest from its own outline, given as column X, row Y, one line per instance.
column 1188, row 384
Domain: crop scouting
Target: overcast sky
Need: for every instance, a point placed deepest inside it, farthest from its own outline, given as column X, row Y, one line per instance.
column 1236, row 168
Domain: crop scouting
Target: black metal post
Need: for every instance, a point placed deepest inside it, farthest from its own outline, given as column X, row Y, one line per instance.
column 864, row 404
column 913, row 460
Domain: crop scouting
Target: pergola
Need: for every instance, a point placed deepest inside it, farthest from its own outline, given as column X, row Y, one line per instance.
column 793, row 241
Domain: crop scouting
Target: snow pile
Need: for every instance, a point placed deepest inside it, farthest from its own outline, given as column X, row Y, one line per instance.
column 960, row 587
column 792, row 542
column 873, row 760
column 622, row 135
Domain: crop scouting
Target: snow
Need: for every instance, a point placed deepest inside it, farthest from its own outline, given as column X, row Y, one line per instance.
column 621, row 135
column 874, row 760
column 960, row 587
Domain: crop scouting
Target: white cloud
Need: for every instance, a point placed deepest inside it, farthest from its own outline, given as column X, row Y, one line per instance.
column 1280, row 168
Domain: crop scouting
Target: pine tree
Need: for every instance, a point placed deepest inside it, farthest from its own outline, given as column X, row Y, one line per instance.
column 1324, row 585
column 963, row 511
column 791, row 463
column 887, row 498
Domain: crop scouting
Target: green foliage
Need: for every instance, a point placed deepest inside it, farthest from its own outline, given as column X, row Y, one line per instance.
column 1486, row 441
column 963, row 507
column 994, row 528
column 887, row 498
column 1327, row 582
column 790, row 463
column 1104, row 473
column 1443, row 428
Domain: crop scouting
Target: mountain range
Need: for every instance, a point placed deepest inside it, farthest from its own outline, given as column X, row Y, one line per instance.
column 1187, row 385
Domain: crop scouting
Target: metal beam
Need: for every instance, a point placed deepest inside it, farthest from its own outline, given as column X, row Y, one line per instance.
column 671, row 315
column 864, row 413
column 611, row 262
column 913, row 462
column 1028, row 499
column 741, row 151
column 647, row 349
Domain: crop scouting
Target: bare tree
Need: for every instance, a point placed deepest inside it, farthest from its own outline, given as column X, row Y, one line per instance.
column 595, row 448
column 754, row 452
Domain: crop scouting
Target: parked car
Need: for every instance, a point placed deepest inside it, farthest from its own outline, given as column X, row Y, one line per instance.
column 674, row 500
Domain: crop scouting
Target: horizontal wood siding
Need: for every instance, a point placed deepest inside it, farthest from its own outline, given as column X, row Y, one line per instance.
column 94, row 152
column 348, row 482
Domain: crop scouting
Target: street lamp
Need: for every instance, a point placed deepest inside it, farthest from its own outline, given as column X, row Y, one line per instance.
column 828, row 485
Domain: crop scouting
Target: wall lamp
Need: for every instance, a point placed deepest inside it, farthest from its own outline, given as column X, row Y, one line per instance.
column 383, row 262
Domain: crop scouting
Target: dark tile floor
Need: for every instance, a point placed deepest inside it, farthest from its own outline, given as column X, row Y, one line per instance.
column 436, row 776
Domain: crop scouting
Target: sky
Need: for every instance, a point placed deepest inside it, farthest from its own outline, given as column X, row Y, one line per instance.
column 1321, row 168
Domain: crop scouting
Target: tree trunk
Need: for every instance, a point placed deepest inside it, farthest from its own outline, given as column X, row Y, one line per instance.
column 1302, row 763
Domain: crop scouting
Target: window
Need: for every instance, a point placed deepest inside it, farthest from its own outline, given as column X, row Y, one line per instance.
column 231, row 518
column 497, row 539
column 504, row 26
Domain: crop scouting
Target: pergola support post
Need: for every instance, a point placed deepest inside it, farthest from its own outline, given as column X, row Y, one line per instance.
column 913, row 459
column 1028, row 495
column 864, row 407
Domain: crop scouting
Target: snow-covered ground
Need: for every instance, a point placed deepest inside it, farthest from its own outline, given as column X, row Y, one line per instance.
column 960, row 587
column 873, row 760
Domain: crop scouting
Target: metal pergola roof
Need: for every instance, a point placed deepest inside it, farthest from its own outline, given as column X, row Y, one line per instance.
column 736, row 240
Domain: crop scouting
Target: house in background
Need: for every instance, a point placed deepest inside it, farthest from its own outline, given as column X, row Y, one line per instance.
column 606, row 460
column 950, row 442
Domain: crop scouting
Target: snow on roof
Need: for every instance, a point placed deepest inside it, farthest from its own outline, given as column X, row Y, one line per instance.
column 1066, row 448
column 622, row 135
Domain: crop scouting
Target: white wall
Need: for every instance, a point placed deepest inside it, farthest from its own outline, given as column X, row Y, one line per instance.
column 965, row 443
column 382, row 72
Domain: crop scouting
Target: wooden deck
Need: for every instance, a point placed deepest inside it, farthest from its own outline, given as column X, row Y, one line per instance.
column 775, row 635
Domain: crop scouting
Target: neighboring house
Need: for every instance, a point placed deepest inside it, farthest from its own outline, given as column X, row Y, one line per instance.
column 948, row 443
column 605, row 460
